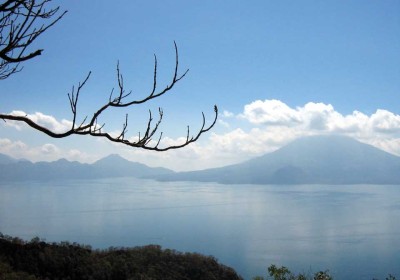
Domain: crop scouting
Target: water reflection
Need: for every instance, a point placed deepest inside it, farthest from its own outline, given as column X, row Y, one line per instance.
column 352, row 230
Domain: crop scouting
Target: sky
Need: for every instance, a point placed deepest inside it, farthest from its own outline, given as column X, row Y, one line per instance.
column 277, row 70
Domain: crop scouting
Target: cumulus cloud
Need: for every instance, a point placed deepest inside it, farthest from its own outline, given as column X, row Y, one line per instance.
column 385, row 122
column 270, row 112
column 49, row 149
column 6, row 145
column 227, row 114
column 319, row 117
column 223, row 123
column 45, row 152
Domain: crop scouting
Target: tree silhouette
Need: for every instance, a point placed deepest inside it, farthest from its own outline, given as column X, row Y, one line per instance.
column 22, row 22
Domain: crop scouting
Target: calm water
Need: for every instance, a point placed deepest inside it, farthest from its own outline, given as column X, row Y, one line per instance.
column 352, row 230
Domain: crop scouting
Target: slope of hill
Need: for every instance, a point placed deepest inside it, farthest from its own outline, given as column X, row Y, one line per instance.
column 4, row 159
column 108, row 167
column 310, row 160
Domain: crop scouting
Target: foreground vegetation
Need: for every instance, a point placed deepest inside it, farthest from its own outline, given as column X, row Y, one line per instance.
column 38, row 260
column 283, row 273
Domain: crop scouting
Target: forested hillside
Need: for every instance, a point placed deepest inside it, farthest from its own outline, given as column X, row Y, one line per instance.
column 36, row 260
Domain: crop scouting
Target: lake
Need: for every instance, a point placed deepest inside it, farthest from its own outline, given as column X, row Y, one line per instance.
column 351, row 230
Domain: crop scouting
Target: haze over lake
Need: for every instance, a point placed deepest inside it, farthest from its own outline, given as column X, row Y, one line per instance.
column 351, row 229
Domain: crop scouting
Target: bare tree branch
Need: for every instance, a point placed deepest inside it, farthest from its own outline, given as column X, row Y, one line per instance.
column 92, row 128
column 21, row 23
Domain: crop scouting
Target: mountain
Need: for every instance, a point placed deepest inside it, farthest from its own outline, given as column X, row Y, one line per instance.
column 108, row 167
column 309, row 160
column 116, row 166
column 4, row 159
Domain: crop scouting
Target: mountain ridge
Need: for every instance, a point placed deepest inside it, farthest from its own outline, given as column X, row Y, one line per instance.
column 107, row 167
column 308, row 160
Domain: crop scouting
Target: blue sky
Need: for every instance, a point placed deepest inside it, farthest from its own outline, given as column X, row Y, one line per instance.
column 277, row 70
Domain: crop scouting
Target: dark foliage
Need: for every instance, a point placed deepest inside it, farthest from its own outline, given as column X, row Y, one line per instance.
column 40, row 260
column 283, row 273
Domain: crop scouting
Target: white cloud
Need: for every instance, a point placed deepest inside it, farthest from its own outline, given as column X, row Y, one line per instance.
column 45, row 152
column 270, row 112
column 316, row 116
column 385, row 122
column 227, row 114
column 223, row 123
column 7, row 145
column 49, row 149
column 319, row 117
